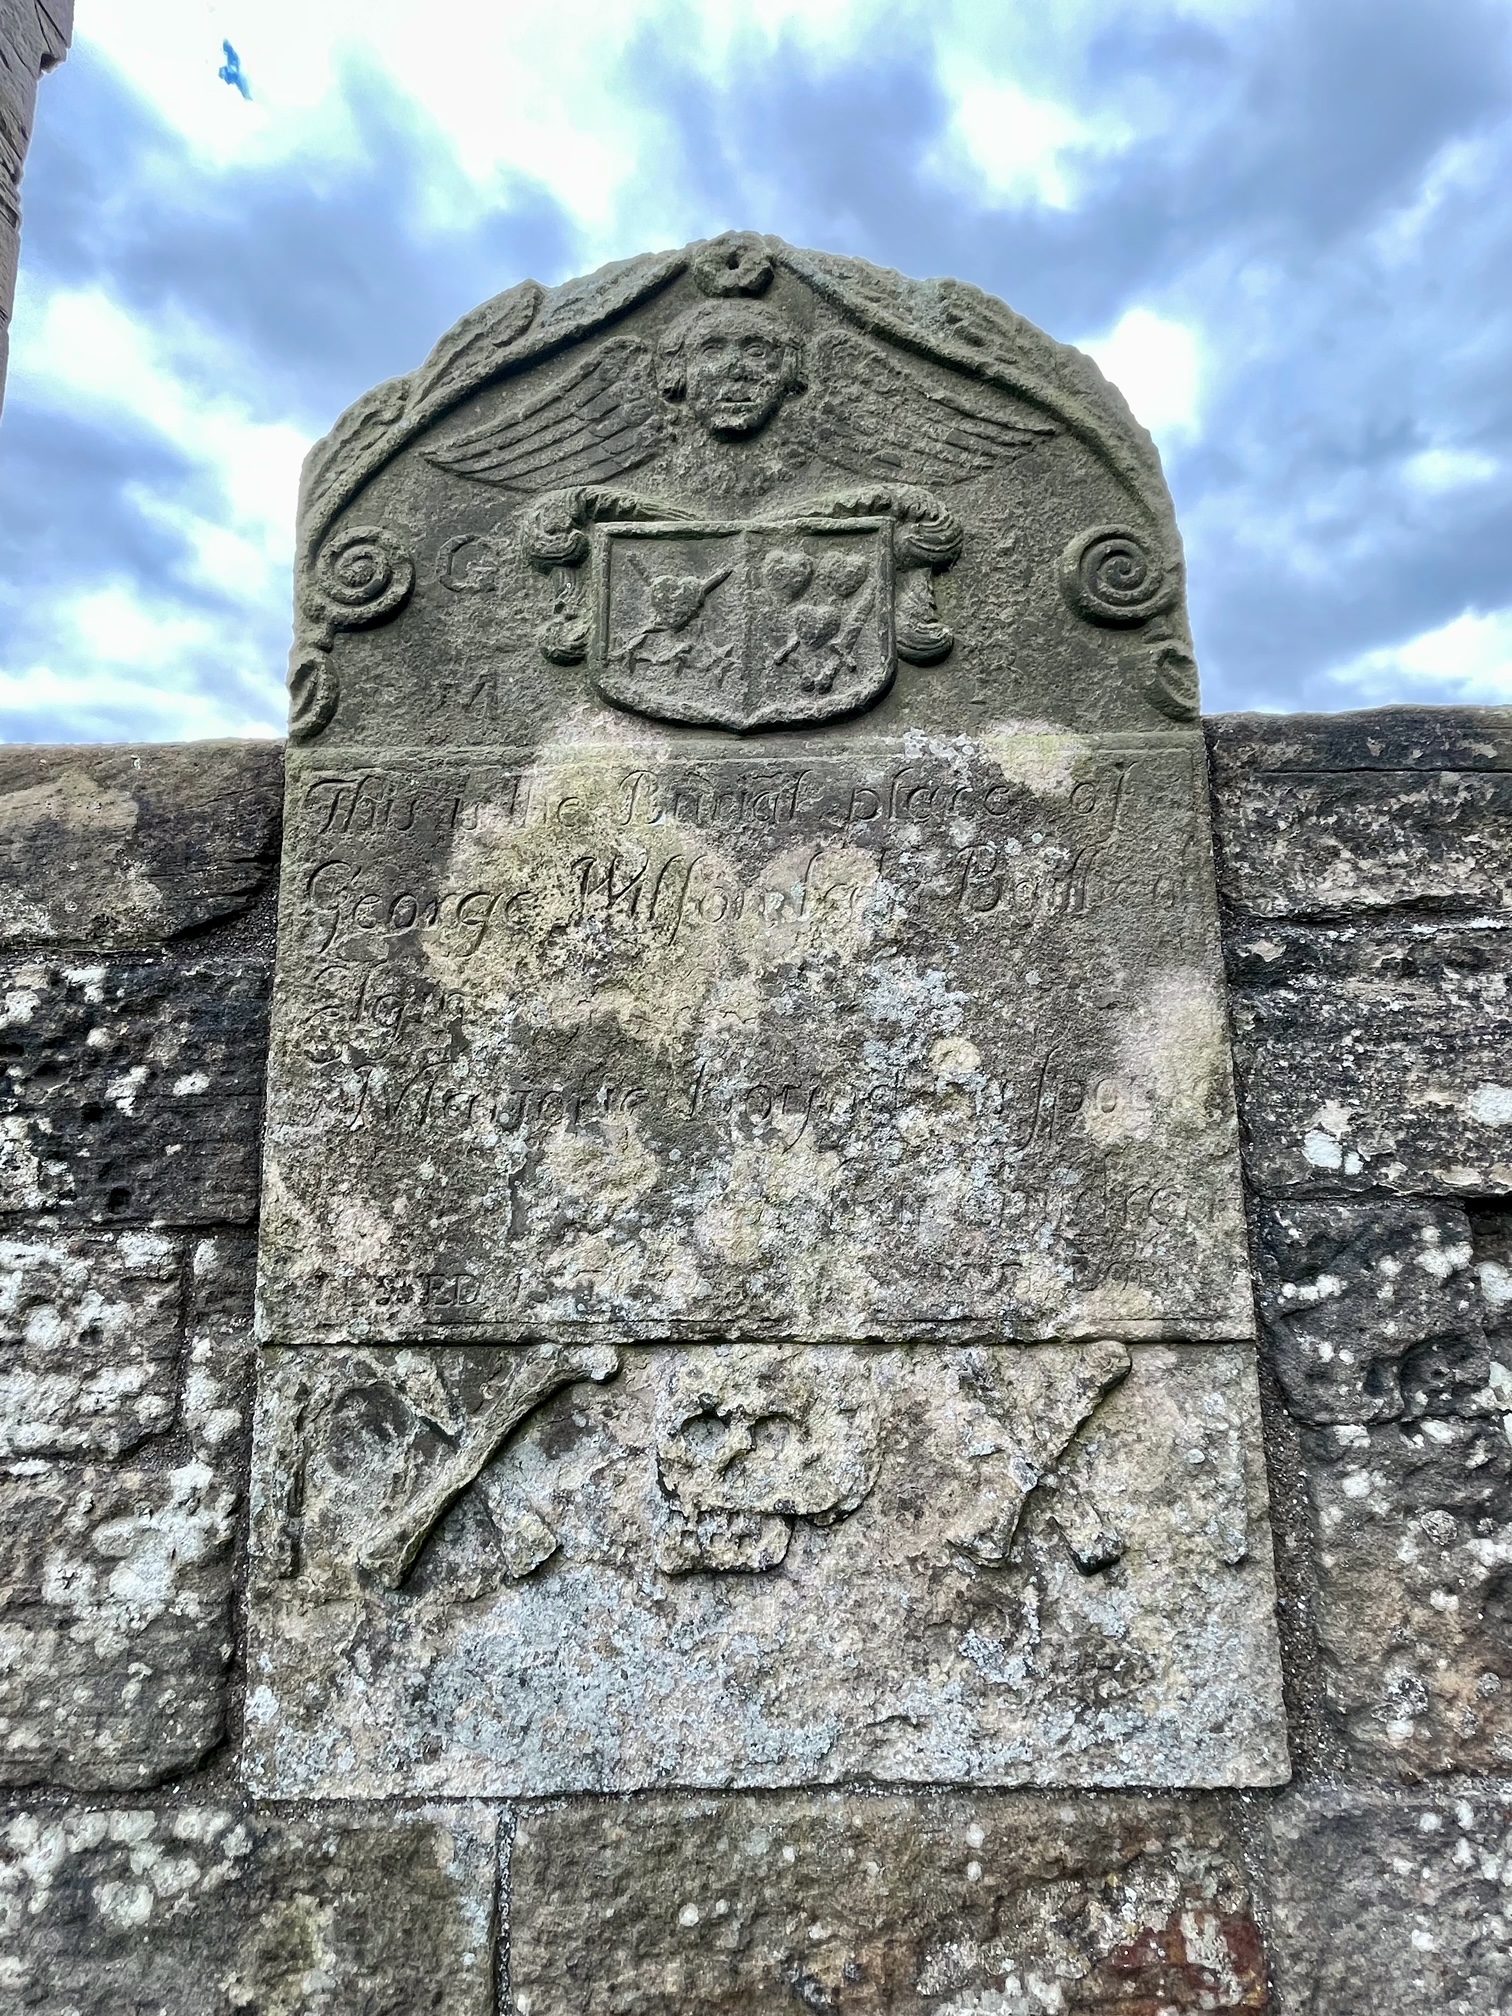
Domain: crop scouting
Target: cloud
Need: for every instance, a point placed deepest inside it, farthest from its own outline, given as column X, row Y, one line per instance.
column 1006, row 146
column 1438, row 470
column 1285, row 224
column 194, row 557
column 183, row 332
column 1468, row 660
column 1157, row 365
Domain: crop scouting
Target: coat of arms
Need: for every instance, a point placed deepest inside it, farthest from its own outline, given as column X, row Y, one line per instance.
column 744, row 626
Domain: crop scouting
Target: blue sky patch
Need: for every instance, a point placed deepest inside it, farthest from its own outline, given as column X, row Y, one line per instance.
column 1282, row 228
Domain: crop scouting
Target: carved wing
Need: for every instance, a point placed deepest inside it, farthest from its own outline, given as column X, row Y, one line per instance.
column 869, row 413
column 595, row 422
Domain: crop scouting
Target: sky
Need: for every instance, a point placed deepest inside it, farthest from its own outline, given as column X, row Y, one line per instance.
column 1285, row 230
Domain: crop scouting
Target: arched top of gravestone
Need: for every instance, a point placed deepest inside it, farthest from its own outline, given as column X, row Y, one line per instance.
column 737, row 489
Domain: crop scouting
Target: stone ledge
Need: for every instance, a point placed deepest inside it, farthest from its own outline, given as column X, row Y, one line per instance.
column 1367, row 738
column 1354, row 815
column 135, row 845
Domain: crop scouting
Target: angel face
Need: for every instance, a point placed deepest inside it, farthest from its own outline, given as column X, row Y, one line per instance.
column 733, row 363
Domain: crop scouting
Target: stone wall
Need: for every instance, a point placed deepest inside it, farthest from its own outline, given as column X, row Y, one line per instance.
column 34, row 38
column 1364, row 871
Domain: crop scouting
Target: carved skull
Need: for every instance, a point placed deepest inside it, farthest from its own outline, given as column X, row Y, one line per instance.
column 761, row 1428
column 750, row 1438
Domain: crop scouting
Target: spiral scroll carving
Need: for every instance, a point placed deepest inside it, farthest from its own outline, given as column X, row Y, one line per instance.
column 362, row 576
column 925, row 535
column 313, row 693
column 1110, row 576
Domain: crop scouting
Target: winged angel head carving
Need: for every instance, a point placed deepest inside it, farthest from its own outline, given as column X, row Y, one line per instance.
column 733, row 363
column 729, row 368
column 768, row 371
column 723, row 372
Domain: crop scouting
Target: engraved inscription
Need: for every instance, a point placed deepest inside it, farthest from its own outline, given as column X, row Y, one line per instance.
column 469, row 564
column 927, row 1044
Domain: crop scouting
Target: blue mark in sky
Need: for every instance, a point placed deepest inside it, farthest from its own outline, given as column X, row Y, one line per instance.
column 230, row 72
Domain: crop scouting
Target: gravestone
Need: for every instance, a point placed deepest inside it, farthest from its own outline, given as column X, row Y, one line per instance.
column 752, row 1284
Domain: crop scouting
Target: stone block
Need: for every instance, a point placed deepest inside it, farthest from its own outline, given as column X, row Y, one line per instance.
column 1391, row 1906
column 132, row 846
column 1355, row 1297
column 114, row 1621
column 1413, row 1604
column 1351, row 815
column 115, row 1581
column 903, row 1023
column 880, row 1906
column 133, row 1088
column 1395, row 1362
column 1375, row 1059
column 489, row 1572
column 90, row 1331
column 221, row 1913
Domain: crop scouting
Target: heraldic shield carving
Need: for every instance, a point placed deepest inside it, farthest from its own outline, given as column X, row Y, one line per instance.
column 744, row 626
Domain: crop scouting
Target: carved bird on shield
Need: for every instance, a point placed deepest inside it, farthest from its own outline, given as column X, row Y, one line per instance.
column 731, row 371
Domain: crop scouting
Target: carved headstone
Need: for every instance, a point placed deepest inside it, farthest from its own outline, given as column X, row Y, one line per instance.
column 752, row 1254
